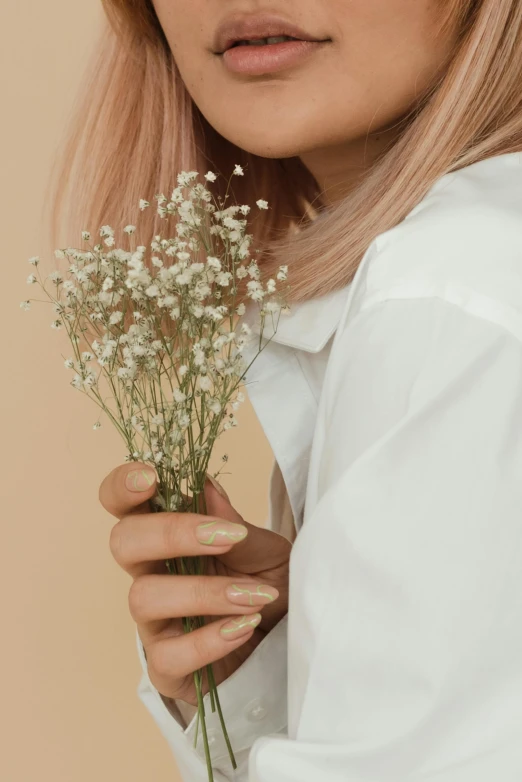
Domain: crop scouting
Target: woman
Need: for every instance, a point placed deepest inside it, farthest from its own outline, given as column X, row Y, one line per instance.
column 390, row 149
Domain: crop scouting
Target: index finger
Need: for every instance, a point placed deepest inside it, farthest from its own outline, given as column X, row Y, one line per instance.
column 127, row 489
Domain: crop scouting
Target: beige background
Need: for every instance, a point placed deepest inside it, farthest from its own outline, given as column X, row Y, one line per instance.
column 69, row 709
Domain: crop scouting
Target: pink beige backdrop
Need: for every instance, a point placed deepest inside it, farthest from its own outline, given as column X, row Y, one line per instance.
column 68, row 707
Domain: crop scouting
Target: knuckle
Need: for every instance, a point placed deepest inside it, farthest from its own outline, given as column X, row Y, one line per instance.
column 116, row 543
column 200, row 594
column 201, row 647
column 170, row 533
column 160, row 662
column 139, row 599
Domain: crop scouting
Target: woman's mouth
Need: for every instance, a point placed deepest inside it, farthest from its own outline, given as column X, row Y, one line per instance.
column 268, row 55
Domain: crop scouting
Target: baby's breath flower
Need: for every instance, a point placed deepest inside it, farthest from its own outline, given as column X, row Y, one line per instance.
column 210, row 176
column 25, row 305
column 238, row 170
column 143, row 204
column 97, row 425
column 262, row 204
column 56, row 324
column 35, row 260
column 86, row 236
column 205, row 383
column 129, row 229
column 32, row 279
column 116, row 317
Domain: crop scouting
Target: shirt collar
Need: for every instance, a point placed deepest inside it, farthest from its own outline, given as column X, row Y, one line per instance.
column 308, row 326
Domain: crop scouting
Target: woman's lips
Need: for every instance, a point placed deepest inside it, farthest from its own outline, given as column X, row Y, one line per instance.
column 256, row 60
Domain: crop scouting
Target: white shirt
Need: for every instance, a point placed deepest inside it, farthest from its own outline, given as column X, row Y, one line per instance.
column 394, row 410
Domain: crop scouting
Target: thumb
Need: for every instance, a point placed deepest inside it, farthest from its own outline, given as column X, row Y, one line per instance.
column 262, row 549
column 218, row 502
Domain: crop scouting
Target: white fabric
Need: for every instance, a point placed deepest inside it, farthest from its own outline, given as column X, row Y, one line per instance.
column 394, row 410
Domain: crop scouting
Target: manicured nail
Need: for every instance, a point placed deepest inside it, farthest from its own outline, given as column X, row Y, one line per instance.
column 251, row 594
column 220, row 533
column 140, row 480
column 240, row 626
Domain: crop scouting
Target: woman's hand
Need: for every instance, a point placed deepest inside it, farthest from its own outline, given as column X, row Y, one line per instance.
column 239, row 566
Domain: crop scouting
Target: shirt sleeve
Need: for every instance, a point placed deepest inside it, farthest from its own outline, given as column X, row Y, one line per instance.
column 405, row 621
column 253, row 700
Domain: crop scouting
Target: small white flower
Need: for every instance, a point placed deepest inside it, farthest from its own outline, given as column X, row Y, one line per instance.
column 86, row 356
column 178, row 395
column 210, row 176
column 31, row 279
column 238, row 170
column 184, row 278
column 25, row 305
column 56, row 276
column 214, row 263
column 199, row 357
column 152, row 291
column 129, row 229
column 56, row 324
column 69, row 363
column 271, row 286
column 241, row 272
column 106, row 230
column 90, row 380
column 115, row 317
column 282, row 274
column 86, row 236
column 223, row 278
column 182, row 371
column 244, row 209
column 262, row 204
column 96, row 425
column 107, row 283
column 143, row 204
column 214, row 406
column 35, row 260
column 205, row 383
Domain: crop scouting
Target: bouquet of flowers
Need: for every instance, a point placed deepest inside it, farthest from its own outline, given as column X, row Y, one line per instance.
column 166, row 362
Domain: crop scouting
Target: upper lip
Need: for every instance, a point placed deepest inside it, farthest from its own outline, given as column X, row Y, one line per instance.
column 252, row 27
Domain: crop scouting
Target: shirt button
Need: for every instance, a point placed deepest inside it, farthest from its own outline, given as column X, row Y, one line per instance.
column 255, row 710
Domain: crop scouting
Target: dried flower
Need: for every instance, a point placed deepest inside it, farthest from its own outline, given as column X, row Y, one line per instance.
column 167, row 359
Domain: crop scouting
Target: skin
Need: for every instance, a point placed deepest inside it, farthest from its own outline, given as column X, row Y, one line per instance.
column 338, row 111
column 141, row 541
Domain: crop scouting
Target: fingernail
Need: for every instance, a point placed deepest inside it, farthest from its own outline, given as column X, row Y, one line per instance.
column 240, row 626
column 217, row 486
column 251, row 594
column 140, row 480
column 220, row 533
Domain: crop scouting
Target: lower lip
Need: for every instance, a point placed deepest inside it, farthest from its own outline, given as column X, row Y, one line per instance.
column 256, row 60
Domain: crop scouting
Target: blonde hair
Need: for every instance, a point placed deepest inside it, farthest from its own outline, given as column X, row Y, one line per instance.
column 134, row 127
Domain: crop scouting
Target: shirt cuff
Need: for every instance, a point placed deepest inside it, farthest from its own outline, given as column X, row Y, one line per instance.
column 253, row 701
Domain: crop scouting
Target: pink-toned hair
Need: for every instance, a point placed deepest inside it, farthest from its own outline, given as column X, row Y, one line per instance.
column 134, row 127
